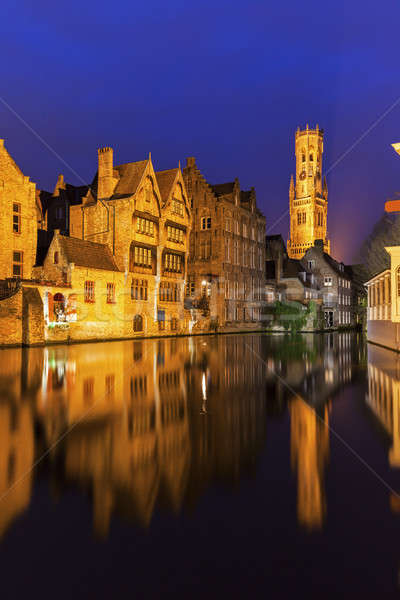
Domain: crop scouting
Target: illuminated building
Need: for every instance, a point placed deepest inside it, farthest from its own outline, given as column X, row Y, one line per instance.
column 308, row 195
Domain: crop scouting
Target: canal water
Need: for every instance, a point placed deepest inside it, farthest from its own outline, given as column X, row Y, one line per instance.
column 222, row 466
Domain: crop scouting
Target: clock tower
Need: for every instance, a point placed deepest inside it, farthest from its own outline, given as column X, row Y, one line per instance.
column 308, row 195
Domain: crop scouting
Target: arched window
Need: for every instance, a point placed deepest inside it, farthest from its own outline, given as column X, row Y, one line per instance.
column 303, row 156
column 59, row 307
column 206, row 223
column 311, row 157
column 138, row 323
column 56, row 257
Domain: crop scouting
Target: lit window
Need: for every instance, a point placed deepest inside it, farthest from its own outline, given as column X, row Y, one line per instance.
column 89, row 291
column 173, row 262
column 145, row 226
column 110, row 293
column 142, row 256
column 17, row 264
column 327, row 280
column 16, row 218
column 175, row 234
column 177, row 207
column 190, row 288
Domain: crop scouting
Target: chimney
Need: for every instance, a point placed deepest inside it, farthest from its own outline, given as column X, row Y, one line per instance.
column 105, row 179
column 60, row 185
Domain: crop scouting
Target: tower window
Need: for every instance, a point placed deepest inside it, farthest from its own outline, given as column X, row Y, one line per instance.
column 56, row 258
column 311, row 157
column 304, row 217
column 303, row 157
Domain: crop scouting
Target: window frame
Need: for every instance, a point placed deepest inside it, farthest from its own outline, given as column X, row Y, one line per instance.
column 17, row 214
column 18, row 263
column 89, row 292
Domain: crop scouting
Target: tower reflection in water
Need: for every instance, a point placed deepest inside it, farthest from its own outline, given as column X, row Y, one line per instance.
column 145, row 423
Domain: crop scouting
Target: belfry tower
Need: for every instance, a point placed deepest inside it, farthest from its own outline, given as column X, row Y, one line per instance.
column 308, row 197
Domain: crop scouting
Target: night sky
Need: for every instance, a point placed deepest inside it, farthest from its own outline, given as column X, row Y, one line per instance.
column 226, row 82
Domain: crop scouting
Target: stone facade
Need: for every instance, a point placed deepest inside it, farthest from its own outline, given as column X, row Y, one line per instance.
column 308, row 195
column 227, row 255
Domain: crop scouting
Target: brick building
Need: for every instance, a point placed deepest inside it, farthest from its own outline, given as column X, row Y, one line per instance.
column 111, row 264
column 111, row 259
column 334, row 280
column 20, row 216
column 287, row 279
column 308, row 195
column 227, row 254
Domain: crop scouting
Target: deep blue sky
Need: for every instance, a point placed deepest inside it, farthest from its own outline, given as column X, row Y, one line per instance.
column 227, row 82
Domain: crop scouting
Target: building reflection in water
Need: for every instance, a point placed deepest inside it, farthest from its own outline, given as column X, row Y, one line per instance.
column 156, row 422
column 383, row 399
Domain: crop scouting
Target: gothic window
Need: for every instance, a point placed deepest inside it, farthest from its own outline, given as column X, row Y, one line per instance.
column 206, row 222
column 138, row 323
column 56, row 258
column 304, row 217
column 303, row 156
column 299, row 218
column 311, row 157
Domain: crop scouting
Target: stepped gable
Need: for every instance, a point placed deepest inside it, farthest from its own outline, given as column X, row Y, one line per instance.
column 223, row 189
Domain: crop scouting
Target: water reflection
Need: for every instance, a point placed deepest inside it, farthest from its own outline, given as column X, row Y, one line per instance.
column 383, row 399
column 136, row 425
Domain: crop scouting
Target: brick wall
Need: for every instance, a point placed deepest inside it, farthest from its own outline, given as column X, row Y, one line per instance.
column 15, row 188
